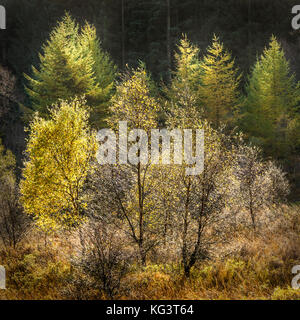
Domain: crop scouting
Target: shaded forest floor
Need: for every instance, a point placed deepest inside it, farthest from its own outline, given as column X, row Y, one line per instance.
column 257, row 266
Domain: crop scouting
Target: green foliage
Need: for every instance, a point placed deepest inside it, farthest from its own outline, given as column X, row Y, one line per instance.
column 183, row 98
column 270, row 109
column 209, row 87
column 72, row 64
column 104, row 72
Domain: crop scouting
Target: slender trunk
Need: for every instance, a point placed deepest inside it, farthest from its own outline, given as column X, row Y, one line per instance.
column 252, row 214
column 166, row 222
column 82, row 242
column 187, row 271
column 253, row 218
column 195, row 253
column 249, row 30
column 196, row 250
column 141, row 217
column 184, row 235
column 142, row 254
column 169, row 37
column 123, row 33
column 45, row 240
column 184, row 242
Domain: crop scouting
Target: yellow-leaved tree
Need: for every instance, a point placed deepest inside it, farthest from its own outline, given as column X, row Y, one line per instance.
column 59, row 154
column 220, row 82
column 125, row 190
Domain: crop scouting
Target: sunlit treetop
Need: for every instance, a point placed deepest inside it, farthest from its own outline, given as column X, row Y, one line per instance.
column 59, row 155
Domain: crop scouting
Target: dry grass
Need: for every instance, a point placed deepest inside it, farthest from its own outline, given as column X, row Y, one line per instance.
column 253, row 266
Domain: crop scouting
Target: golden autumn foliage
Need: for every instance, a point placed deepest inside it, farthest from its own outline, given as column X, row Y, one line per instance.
column 59, row 152
column 220, row 83
column 133, row 102
column 186, row 77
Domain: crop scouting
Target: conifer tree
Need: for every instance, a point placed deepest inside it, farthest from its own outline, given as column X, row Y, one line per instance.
column 72, row 64
column 270, row 115
column 104, row 72
column 219, row 84
column 186, row 78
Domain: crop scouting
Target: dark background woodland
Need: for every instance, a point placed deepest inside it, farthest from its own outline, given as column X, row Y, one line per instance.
column 146, row 30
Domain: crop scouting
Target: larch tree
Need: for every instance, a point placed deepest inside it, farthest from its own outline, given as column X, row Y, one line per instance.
column 59, row 155
column 185, row 82
column 270, row 108
column 104, row 72
column 72, row 64
column 219, row 84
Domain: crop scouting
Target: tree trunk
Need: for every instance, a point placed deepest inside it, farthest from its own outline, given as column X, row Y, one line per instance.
column 169, row 37
column 249, row 31
column 141, row 217
column 253, row 218
column 252, row 213
column 123, row 32
column 184, row 235
column 142, row 254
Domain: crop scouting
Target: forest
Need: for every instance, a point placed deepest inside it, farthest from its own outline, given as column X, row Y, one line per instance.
column 75, row 228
